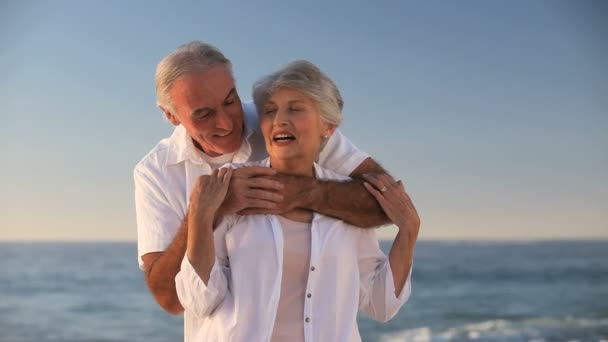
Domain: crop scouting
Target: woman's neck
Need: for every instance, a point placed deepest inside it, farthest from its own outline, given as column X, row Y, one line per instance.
column 296, row 167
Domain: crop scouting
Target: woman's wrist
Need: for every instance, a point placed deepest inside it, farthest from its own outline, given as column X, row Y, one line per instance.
column 406, row 239
column 201, row 216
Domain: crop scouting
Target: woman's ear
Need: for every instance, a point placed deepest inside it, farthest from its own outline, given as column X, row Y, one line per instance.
column 172, row 118
column 329, row 130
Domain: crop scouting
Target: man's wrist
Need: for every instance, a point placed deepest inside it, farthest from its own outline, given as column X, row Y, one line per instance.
column 312, row 195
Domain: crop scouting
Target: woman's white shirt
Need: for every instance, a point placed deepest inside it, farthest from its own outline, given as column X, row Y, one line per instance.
column 348, row 272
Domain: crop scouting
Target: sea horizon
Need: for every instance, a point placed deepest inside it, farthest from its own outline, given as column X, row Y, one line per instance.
column 497, row 291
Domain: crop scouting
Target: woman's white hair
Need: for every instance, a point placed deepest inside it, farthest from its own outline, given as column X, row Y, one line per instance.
column 307, row 78
column 187, row 59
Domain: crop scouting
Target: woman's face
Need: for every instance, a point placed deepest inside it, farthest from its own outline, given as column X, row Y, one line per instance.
column 292, row 126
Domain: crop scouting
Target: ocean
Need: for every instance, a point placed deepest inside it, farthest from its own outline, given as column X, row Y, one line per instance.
column 462, row 291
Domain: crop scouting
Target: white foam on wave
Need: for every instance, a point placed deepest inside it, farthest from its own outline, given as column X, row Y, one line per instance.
column 422, row 334
column 532, row 330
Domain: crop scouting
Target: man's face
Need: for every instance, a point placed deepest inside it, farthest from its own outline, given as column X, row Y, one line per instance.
column 209, row 108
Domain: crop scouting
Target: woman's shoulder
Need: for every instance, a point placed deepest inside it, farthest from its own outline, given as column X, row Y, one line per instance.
column 264, row 162
column 323, row 173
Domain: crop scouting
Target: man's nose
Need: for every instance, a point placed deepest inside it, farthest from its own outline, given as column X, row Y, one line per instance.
column 223, row 120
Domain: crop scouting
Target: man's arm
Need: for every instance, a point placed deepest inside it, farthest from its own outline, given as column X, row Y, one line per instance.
column 161, row 268
column 348, row 201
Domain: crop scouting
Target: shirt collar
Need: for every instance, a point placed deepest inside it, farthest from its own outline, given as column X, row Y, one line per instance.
column 319, row 171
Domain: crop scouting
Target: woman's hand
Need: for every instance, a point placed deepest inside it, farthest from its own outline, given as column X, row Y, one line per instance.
column 399, row 208
column 206, row 197
column 395, row 202
column 209, row 192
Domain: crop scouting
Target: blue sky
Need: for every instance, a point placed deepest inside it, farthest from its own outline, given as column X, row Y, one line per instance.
column 494, row 113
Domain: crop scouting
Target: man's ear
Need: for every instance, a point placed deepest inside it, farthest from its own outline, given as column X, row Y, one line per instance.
column 170, row 116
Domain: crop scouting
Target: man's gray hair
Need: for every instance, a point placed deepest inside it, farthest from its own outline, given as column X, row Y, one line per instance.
column 187, row 59
column 307, row 78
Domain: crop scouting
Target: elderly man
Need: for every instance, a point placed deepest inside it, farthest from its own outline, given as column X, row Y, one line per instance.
column 196, row 91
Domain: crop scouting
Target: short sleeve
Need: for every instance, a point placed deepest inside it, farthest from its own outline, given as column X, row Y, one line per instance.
column 157, row 221
column 340, row 155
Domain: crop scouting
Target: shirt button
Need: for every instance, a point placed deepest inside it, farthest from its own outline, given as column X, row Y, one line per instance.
column 312, row 268
column 307, row 320
column 309, row 295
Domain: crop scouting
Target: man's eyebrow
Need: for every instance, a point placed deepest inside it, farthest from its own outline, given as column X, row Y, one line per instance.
column 230, row 93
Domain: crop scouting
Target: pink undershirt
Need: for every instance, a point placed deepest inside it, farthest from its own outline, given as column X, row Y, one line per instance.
column 289, row 322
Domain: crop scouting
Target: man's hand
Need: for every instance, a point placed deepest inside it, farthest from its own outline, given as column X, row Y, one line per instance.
column 250, row 188
column 295, row 191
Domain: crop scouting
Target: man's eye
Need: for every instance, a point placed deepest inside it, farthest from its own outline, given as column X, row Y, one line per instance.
column 269, row 111
column 293, row 109
column 200, row 116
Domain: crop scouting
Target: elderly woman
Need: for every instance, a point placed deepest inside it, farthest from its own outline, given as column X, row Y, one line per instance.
column 300, row 276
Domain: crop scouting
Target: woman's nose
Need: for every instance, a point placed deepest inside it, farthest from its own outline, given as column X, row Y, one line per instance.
column 280, row 118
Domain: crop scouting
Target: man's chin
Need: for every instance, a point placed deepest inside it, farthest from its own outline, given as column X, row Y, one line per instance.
column 217, row 145
column 228, row 148
column 231, row 143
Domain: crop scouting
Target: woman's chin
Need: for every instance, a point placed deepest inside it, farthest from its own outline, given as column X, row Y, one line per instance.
column 283, row 158
column 283, row 154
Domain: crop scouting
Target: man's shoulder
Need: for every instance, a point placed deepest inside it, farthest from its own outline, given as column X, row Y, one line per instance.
column 249, row 109
column 250, row 114
column 155, row 159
